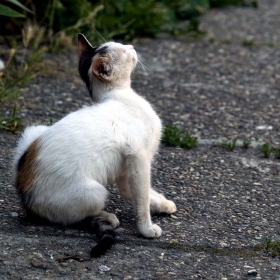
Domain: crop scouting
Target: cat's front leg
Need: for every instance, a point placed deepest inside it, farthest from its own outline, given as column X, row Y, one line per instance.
column 138, row 172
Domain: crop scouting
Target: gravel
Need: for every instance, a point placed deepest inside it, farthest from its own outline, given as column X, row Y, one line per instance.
column 228, row 202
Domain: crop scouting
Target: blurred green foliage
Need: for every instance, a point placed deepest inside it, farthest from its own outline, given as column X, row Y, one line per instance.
column 121, row 19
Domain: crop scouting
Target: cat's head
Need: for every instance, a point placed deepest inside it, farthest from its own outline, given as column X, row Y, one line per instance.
column 110, row 63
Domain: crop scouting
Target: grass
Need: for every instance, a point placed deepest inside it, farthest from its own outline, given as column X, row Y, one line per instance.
column 266, row 150
column 248, row 43
column 246, row 143
column 276, row 152
column 174, row 137
column 229, row 144
column 11, row 123
column 19, row 70
column 228, row 41
column 272, row 247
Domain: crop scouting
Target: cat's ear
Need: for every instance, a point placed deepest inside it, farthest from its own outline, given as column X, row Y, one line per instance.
column 102, row 68
column 83, row 44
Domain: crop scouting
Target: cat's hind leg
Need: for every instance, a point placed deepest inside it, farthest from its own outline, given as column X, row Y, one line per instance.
column 108, row 217
column 159, row 204
column 123, row 186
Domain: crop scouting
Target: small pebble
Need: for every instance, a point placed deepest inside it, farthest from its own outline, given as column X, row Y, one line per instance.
column 252, row 272
column 14, row 214
column 104, row 268
column 37, row 264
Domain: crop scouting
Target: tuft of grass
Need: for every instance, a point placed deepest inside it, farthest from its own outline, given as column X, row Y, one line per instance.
column 246, row 143
column 266, row 150
column 228, row 41
column 11, row 123
column 173, row 136
column 248, row 43
column 229, row 144
column 272, row 247
column 276, row 152
column 48, row 123
column 19, row 70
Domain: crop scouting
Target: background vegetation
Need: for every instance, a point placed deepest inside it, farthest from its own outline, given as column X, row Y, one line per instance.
column 121, row 19
column 31, row 27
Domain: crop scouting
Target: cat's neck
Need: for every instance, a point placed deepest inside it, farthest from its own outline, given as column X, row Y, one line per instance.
column 101, row 90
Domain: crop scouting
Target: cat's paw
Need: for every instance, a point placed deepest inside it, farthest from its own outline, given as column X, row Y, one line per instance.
column 152, row 231
column 169, row 207
column 113, row 220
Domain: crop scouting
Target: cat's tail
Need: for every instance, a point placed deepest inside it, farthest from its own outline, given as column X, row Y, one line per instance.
column 29, row 135
column 106, row 236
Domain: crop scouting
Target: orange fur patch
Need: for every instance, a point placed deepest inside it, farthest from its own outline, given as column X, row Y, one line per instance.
column 27, row 167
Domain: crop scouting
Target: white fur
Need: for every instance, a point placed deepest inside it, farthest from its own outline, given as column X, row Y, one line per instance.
column 2, row 65
column 113, row 141
column 28, row 136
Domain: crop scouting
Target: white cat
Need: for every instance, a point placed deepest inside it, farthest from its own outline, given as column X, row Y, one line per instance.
column 62, row 170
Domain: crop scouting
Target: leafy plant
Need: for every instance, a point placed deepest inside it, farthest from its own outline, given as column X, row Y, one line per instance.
column 172, row 136
column 122, row 19
column 5, row 10
column 266, row 150
column 229, row 144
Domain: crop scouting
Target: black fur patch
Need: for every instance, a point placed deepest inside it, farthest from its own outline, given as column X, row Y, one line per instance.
column 26, row 196
column 106, row 236
column 85, row 63
column 21, row 161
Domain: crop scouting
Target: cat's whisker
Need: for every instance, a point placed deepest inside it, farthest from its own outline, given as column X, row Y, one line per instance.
column 99, row 34
column 145, row 68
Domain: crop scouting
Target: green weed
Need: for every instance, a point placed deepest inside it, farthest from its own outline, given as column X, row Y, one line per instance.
column 19, row 70
column 246, row 143
column 48, row 123
column 11, row 123
column 248, row 43
column 273, row 247
column 173, row 136
column 276, row 152
column 228, row 41
column 266, row 150
column 229, row 144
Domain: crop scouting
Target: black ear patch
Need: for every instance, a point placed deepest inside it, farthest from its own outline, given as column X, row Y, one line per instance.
column 86, row 53
column 83, row 45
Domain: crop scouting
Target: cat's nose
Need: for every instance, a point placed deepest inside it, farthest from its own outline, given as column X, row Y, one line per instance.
column 128, row 48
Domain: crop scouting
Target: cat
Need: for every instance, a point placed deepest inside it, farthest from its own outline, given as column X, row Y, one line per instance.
column 62, row 170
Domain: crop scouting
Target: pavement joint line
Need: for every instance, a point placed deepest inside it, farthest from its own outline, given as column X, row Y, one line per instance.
column 219, row 141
